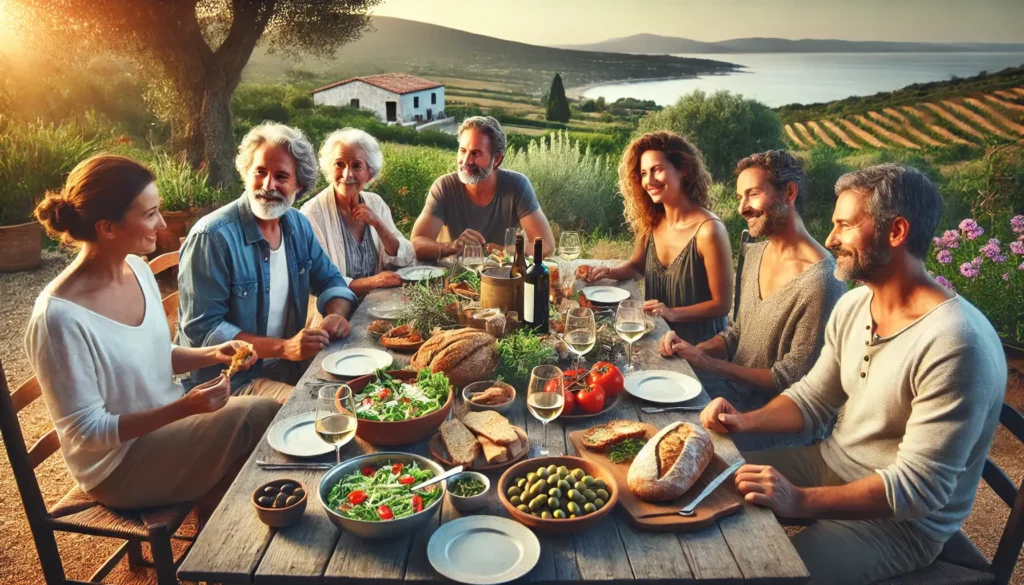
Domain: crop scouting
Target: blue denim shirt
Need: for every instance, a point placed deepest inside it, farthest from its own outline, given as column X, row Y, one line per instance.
column 224, row 281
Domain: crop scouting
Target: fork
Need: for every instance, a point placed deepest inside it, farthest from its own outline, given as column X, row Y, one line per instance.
column 656, row 410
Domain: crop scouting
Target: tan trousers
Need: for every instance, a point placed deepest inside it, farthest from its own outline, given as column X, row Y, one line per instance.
column 847, row 552
column 184, row 460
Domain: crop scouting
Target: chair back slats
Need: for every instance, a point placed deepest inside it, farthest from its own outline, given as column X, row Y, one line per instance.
column 1013, row 420
column 47, row 445
column 163, row 262
column 28, row 485
column 1000, row 483
column 1010, row 542
column 25, row 394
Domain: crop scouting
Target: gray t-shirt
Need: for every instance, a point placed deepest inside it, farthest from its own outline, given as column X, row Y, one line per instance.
column 513, row 199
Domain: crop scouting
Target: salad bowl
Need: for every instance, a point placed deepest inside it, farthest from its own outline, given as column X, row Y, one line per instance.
column 404, row 521
column 394, row 432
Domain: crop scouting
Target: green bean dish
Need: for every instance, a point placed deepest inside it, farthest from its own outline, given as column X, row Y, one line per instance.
column 378, row 494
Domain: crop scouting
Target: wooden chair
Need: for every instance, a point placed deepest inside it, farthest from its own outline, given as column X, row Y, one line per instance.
column 960, row 562
column 170, row 302
column 76, row 511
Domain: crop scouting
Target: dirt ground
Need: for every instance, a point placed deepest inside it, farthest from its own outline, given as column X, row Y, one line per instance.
column 82, row 554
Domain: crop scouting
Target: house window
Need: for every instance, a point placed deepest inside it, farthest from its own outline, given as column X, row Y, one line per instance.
column 433, row 98
column 354, row 102
column 416, row 102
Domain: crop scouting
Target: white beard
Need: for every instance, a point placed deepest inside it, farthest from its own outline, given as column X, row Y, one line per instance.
column 269, row 210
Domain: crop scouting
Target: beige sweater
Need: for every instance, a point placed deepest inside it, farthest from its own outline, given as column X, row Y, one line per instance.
column 919, row 407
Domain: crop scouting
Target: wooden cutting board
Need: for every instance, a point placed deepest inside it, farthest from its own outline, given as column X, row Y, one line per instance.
column 663, row 516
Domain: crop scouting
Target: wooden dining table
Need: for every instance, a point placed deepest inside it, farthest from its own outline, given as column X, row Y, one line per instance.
column 235, row 547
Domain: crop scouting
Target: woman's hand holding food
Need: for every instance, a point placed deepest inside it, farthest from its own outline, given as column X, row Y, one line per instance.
column 592, row 273
column 209, row 397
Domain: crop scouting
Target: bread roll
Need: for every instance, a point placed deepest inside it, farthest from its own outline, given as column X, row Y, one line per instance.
column 670, row 462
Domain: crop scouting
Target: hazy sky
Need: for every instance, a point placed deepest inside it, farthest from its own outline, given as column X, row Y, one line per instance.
column 557, row 22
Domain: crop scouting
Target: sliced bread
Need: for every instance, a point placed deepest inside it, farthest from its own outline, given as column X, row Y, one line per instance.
column 602, row 437
column 491, row 425
column 462, row 446
column 493, row 452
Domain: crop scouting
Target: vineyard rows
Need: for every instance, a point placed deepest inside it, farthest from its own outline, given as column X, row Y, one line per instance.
column 969, row 120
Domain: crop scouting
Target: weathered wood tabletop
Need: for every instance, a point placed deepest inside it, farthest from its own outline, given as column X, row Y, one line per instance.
column 235, row 547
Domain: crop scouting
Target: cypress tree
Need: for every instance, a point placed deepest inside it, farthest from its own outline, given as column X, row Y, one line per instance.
column 558, row 105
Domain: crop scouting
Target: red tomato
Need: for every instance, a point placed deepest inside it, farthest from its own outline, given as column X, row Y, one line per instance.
column 406, row 480
column 368, row 471
column 608, row 377
column 385, row 513
column 383, row 394
column 367, row 401
column 396, row 469
column 570, row 403
column 417, row 503
column 357, row 497
column 591, row 399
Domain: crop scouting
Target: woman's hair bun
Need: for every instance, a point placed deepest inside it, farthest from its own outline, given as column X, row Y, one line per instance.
column 57, row 214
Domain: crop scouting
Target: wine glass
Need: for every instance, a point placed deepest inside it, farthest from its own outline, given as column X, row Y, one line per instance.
column 545, row 397
column 510, row 240
column 336, row 416
column 630, row 324
column 570, row 248
column 473, row 256
column 580, row 332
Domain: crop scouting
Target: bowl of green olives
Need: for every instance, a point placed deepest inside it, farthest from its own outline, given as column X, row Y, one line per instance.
column 280, row 503
column 558, row 494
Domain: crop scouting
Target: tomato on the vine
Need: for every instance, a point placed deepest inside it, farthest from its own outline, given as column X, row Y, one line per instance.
column 591, row 399
column 608, row 377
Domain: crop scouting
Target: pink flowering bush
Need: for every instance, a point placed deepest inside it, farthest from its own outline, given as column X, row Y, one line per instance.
column 988, row 273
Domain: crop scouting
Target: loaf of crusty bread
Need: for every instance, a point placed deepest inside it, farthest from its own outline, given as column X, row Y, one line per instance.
column 670, row 462
column 464, row 355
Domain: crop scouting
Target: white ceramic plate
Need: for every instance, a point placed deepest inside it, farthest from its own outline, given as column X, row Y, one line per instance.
column 386, row 311
column 605, row 295
column 418, row 273
column 483, row 550
column 352, row 363
column 296, row 436
column 663, row 386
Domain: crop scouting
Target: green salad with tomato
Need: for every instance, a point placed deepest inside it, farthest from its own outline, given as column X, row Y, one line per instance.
column 379, row 494
column 390, row 399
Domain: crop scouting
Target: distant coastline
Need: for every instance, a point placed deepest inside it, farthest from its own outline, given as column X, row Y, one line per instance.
column 576, row 92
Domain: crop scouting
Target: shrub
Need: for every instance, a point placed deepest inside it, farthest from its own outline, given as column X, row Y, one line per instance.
column 986, row 266
column 35, row 158
column 408, row 173
column 725, row 127
column 575, row 187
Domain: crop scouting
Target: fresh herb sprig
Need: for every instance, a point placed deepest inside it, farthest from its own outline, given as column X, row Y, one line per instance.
column 521, row 352
column 466, row 487
column 426, row 308
column 626, row 451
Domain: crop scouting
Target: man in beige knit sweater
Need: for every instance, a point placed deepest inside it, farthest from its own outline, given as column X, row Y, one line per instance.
column 917, row 375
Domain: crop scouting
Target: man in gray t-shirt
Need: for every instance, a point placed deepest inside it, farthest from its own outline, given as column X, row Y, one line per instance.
column 480, row 201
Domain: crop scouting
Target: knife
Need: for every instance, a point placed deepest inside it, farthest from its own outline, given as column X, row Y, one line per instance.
column 289, row 466
column 688, row 510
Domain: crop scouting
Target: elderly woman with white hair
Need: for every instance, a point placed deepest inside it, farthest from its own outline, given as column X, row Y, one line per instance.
column 355, row 226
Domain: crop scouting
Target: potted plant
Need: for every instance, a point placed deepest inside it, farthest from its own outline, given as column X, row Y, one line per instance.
column 185, row 197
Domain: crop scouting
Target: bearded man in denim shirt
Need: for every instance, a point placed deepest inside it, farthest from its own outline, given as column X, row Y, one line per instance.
column 247, row 269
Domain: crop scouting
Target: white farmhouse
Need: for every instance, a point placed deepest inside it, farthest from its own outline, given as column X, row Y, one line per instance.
column 394, row 97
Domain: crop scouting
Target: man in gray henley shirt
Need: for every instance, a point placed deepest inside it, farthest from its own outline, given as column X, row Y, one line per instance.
column 917, row 376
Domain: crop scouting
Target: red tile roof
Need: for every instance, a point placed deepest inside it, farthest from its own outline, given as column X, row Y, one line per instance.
column 400, row 83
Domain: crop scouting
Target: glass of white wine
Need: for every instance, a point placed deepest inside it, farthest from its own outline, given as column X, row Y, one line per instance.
column 336, row 416
column 580, row 332
column 630, row 324
column 545, row 397
column 570, row 247
column 473, row 256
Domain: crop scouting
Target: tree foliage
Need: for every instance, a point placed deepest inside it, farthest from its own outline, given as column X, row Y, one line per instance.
column 557, row 104
column 193, row 52
column 725, row 127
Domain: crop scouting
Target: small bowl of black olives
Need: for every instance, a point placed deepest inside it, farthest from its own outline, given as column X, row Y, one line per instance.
column 280, row 503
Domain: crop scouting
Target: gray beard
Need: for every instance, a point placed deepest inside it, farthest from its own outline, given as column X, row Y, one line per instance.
column 473, row 179
column 864, row 266
column 266, row 210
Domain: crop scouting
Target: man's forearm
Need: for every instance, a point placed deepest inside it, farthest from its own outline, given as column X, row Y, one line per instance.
column 760, row 378
column 338, row 306
column 714, row 347
column 430, row 250
column 863, row 499
column 781, row 415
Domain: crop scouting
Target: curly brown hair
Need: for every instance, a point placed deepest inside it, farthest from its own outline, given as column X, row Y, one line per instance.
column 643, row 214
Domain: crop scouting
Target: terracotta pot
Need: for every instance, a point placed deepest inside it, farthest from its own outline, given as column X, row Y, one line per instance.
column 399, row 432
column 167, row 239
column 21, row 247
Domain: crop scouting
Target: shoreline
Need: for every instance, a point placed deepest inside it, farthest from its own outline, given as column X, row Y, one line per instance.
column 577, row 91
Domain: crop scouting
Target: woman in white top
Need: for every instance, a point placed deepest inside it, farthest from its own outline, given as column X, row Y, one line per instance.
column 100, row 345
column 354, row 226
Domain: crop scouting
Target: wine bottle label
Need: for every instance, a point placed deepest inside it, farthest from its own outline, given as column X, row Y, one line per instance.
column 528, row 302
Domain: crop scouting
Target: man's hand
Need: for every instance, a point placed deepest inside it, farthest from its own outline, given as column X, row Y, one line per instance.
column 362, row 212
column 722, row 417
column 666, row 343
column 592, row 273
column 209, row 397
column 765, row 486
column 336, row 326
column 386, row 279
column 226, row 351
column 307, row 343
column 692, row 354
column 468, row 236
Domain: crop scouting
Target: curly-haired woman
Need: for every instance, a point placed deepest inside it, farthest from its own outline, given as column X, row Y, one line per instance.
column 682, row 249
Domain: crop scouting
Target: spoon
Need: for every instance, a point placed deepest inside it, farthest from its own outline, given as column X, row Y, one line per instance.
column 453, row 471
